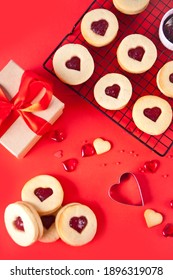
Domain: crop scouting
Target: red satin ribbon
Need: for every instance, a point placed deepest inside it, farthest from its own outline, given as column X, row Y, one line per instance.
column 22, row 104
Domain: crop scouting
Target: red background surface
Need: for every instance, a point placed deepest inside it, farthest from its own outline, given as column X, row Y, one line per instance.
column 29, row 32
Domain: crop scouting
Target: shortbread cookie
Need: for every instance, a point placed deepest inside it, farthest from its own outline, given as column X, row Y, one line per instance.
column 101, row 146
column 136, row 53
column 76, row 224
column 99, row 27
column 73, row 64
column 152, row 114
column 113, row 91
column 22, row 224
column 44, row 192
column 165, row 79
column 131, row 7
column 152, row 218
column 50, row 233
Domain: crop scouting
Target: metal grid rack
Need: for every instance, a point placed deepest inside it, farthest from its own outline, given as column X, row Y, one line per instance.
column 146, row 23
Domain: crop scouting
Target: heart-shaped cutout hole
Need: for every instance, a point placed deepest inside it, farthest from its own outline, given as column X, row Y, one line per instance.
column 113, row 90
column 19, row 224
column 43, row 193
column 127, row 190
column 78, row 223
column 99, row 27
column 171, row 78
column 47, row 221
column 136, row 53
column 73, row 63
column 152, row 113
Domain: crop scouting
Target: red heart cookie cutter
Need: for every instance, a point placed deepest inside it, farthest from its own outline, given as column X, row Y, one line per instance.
column 127, row 190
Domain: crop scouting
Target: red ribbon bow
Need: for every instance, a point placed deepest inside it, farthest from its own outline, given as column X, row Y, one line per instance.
column 22, row 104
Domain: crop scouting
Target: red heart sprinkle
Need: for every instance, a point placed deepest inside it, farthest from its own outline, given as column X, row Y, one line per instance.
column 57, row 135
column 70, row 164
column 152, row 113
column 113, row 90
column 136, row 53
column 168, row 230
column 19, row 224
column 151, row 166
column 43, row 193
column 78, row 223
column 171, row 203
column 48, row 221
column 73, row 63
column 88, row 150
column 99, row 27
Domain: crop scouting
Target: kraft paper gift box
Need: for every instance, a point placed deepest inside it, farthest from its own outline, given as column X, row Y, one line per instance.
column 19, row 138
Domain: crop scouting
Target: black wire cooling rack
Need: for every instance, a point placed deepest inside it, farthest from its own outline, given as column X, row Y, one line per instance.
column 146, row 23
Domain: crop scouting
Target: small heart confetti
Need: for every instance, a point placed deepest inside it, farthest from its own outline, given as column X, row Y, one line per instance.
column 88, row 150
column 57, row 135
column 58, row 154
column 101, row 146
column 152, row 218
column 70, row 164
column 151, row 166
column 168, row 230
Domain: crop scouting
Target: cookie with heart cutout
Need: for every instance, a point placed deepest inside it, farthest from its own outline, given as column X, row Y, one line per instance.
column 76, row 224
column 22, row 223
column 44, row 192
column 99, row 27
column 136, row 53
column 113, row 91
column 152, row 114
column 164, row 79
column 131, row 7
column 73, row 64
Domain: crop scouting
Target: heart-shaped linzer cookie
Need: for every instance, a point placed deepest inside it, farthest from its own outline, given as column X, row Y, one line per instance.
column 78, row 223
column 152, row 218
column 113, row 90
column 43, row 193
column 136, row 53
column 101, row 146
column 73, row 63
column 127, row 190
column 152, row 113
column 99, row 27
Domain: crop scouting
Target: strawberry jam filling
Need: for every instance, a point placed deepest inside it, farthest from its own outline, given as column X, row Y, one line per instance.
column 78, row 223
column 136, row 53
column 168, row 28
column 171, row 78
column 73, row 63
column 152, row 113
column 113, row 90
column 43, row 193
column 19, row 224
column 47, row 221
column 99, row 27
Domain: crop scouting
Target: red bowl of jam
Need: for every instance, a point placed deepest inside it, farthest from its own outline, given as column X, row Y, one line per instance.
column 166, row 30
